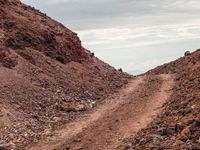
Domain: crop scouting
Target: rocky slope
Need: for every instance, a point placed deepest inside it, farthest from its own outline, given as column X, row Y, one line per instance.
column 47, row 79
column 46, row 76
column 178, row 126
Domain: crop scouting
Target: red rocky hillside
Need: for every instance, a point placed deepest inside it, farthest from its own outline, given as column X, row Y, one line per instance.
column 178, row 126
column 46, row 76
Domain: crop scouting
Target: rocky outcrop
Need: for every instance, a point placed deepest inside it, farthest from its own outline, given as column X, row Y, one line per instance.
column 46, row 77
column 22, row 26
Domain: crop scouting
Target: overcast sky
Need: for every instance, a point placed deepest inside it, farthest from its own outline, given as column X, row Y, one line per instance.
column 135, row 35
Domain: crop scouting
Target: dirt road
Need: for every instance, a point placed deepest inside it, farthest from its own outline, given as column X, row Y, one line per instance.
column 119, row 118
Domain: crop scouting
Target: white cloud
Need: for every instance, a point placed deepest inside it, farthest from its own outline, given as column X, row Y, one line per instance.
column 131, row 66
column 138, row 34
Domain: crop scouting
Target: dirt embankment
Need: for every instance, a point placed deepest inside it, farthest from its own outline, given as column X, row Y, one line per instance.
column 178, row 126
column 46, row 77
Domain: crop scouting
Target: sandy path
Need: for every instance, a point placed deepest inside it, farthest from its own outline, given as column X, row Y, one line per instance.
column 130, row 110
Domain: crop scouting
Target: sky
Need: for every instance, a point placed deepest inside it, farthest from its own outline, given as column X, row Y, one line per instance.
column 135, row 35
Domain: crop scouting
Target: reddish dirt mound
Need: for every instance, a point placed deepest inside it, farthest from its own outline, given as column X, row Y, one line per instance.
column 23, row 26
column 178, row 127
column 46, row 76
column 7, row 59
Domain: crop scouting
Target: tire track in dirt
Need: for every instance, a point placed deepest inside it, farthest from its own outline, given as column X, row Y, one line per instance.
column 121, row 117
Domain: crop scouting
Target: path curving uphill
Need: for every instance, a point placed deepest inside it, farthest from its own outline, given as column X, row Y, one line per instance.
column 118, row 119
